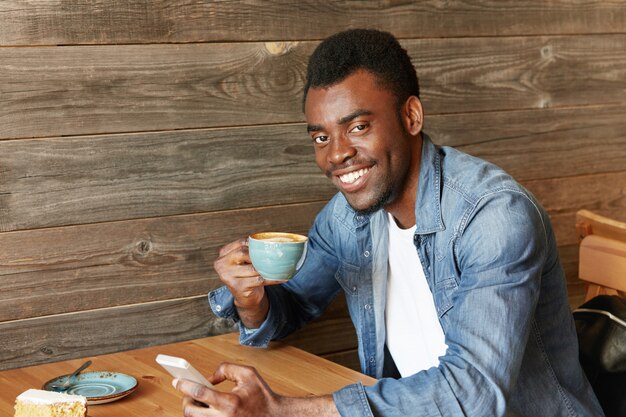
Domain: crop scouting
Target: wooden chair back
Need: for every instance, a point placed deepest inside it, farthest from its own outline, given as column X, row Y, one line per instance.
column 602, row 263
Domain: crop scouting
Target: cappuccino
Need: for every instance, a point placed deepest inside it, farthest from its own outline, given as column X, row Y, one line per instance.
column 277, row 255
column 279, row 237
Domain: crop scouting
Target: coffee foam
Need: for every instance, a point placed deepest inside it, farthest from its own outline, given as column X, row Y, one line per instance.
column 279, row 237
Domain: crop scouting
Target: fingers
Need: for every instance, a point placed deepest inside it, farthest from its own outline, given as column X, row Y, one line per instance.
column 237, row 373
column 235, row 270
column 251, row 395
column 234, row 262
column 199, row 400
column 271, row 281
column 233, row 246
column 193, row 408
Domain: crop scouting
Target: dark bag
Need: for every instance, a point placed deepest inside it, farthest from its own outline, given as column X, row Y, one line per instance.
column 601, row 328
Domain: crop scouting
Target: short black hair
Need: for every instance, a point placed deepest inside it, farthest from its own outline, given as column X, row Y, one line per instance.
column 380, row 53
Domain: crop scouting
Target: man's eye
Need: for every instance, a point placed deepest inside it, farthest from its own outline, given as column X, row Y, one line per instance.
column 358, row 128
column 320, row 139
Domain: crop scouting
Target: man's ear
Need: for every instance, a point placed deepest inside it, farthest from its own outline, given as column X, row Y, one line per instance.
column 413, row 115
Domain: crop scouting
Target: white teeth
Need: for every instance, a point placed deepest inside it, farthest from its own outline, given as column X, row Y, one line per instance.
column 350, row 177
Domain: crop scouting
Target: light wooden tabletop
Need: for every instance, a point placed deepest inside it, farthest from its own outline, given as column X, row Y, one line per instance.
column 288, row 370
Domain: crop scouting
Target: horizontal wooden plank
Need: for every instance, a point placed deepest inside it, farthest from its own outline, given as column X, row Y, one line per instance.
column 64, row 181
column 58, row 270
column 28, row 22
column 539, row 144
column 483, row 74
column 563, row 197
column 102, row 89
column 92, row 179
column 95, row 332
column 76, row 90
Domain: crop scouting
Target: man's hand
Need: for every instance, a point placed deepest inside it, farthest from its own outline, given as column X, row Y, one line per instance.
column 235, row 270
column 251, row 397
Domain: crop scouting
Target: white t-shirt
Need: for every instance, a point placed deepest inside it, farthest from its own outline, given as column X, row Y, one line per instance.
column 414, row 336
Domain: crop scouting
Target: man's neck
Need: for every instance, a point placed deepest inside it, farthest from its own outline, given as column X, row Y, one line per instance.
column 401, row 225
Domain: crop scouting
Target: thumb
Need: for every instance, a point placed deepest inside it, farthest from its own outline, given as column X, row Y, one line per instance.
column 239, row 374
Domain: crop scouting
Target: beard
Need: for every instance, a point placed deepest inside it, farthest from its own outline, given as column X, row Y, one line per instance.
column 378, row 204
column 383, row 195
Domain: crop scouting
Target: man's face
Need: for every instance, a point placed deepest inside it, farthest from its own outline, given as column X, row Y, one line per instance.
column 360, row 141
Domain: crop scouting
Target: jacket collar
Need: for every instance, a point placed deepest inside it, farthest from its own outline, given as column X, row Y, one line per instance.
column 428, row 217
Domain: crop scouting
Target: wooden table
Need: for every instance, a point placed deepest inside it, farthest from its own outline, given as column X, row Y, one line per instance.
column 288, row 370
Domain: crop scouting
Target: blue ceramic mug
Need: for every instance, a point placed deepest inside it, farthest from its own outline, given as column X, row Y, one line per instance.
column 277, row 255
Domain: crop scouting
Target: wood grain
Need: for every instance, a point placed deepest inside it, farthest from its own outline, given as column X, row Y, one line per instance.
column 67, row 336
column 66, row 181
column 57, row 270
column 95, row 332
column 540, row 144
column 41, row 22
column 77, row 90
column 103, row 89
column 78, row 180
column 603, row 262
column 575, row 287
column 562, row 197
column 287, row 370
column 589, row 222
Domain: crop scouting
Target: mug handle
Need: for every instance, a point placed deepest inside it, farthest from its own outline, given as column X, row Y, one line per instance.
column 301, row 261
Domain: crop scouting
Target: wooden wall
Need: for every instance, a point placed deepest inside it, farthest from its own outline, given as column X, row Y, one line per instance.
column 138, row 136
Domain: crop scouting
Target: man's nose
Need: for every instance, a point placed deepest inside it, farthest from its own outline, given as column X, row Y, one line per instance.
column 341, row 150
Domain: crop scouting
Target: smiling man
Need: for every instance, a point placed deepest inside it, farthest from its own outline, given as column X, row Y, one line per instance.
column 365, row 142
column 449, row 267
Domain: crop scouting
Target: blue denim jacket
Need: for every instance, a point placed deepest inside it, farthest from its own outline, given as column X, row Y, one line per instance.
column 490, row 259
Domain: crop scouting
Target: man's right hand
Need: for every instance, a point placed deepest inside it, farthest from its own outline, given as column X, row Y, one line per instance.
column 235, row 270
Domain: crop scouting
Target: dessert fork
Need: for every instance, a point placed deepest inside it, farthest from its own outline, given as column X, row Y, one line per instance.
column 65, row 385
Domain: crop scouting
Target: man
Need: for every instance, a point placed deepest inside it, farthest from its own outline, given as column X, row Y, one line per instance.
column 449, row 267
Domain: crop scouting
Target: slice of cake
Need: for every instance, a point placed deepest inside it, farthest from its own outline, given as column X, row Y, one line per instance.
column 38, row 403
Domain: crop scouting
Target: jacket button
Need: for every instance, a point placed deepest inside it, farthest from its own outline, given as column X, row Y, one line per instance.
column 366, row 253
column 218, row 308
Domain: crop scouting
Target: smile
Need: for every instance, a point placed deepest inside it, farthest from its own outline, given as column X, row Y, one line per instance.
column 351, row 177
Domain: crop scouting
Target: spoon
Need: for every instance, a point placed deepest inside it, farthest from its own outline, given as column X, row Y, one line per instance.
column 64, row 386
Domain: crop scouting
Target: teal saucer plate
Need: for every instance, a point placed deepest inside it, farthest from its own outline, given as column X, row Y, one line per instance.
column 98, row 387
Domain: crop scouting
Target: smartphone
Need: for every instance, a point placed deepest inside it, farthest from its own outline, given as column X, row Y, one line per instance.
column 181, row 369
